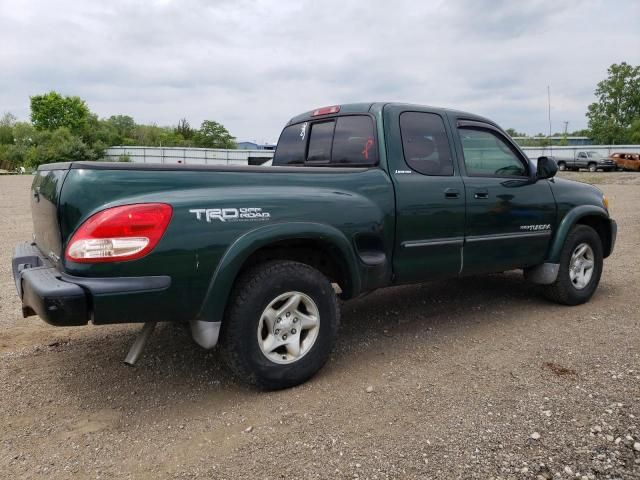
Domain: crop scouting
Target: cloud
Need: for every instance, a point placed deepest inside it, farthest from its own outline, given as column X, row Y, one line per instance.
column 253, row 64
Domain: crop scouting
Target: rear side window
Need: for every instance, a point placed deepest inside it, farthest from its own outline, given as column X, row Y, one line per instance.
column 354, row 142
column 425, row 143
column 344, row 141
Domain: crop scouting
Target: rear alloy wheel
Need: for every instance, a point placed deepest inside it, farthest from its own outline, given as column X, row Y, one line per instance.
column 281, row 324
column 580, row 267
column 288, row 327
column 592, row 167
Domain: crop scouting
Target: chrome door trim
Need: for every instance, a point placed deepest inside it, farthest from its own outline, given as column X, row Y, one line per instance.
column 507, row 236
column 434, row 242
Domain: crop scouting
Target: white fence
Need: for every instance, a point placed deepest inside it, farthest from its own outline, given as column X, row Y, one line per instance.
column 218, row 156
column 189, row 156
column 571, row 152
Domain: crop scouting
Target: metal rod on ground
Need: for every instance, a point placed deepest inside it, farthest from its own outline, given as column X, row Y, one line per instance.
column 138, row 345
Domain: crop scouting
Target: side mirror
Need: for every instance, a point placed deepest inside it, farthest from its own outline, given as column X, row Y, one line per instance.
column 547, row 168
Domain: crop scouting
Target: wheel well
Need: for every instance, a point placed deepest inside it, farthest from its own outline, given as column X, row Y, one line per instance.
column 601, row 226
column 321, row 255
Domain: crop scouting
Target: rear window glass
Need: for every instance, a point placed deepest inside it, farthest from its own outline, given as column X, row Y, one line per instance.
column 345, row 141
column 291, row 146
column 320, row 142
column 354, row 142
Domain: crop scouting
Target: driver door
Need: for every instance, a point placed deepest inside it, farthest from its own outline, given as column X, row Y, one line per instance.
column 509, row 218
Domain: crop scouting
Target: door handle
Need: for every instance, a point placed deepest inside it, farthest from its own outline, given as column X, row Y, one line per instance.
column 452, row 193
column 480, row 194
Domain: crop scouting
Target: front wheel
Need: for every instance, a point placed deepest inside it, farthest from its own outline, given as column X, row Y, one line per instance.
column 592, row 167
column 281, row 324
column 562, row 166
column 580, row 267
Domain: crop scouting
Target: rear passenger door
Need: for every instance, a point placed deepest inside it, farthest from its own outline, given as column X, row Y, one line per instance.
column 429, row 194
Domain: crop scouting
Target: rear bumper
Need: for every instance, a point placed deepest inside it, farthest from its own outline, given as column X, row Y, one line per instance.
column 64, row 300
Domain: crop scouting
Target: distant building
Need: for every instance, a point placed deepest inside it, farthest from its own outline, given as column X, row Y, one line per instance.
column 255, row 146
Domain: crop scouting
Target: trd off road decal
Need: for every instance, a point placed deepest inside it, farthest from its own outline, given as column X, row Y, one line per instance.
column 535, row 227
column 250, row 214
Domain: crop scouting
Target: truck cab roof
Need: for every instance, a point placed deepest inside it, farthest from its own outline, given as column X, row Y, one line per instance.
column 373, row 107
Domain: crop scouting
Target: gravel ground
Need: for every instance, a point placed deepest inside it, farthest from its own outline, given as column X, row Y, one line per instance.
column 471, row 378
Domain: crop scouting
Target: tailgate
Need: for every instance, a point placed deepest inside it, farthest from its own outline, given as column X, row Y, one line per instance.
column 45, row 193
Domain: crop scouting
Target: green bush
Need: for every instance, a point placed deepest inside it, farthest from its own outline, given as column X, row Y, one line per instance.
column 59, row 145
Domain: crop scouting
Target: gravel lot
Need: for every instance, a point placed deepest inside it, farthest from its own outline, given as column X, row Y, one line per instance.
column 471, row 378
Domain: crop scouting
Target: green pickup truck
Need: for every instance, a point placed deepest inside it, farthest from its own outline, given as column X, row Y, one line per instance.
column 359, row 197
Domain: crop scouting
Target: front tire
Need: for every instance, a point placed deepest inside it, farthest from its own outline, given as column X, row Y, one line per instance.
column 592, row 167
column 281, row 324
column 580, row 268
column 562, row 166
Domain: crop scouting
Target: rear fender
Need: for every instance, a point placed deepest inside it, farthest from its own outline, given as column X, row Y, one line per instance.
column 233, row 260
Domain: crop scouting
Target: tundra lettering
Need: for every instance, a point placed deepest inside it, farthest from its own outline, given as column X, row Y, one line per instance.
column 535, row 227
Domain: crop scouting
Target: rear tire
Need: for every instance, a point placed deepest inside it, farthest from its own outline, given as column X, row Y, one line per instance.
column 576, row 283
column 285, row 304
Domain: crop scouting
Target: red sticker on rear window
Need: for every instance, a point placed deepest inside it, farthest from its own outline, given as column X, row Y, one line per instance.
column 367, row 147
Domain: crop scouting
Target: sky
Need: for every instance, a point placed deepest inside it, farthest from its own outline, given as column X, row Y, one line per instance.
column 253, row 64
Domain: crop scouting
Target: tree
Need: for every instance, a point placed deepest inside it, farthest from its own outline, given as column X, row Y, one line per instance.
column 58, row 145
column 634, row 132
column 52, row 111
column 7, row 123
column 123, row 125
column 618, row 105
column 62, row 128
column 512, row 132
column 23, row 134
column 214, row 135
column 184, row 129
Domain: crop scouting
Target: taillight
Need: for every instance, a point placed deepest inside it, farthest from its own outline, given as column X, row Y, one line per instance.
column 120, row 233
column 326, row 110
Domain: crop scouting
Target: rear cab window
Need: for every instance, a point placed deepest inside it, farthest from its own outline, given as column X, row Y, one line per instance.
column 345, row 141
column 292, row 145
column 320, row 141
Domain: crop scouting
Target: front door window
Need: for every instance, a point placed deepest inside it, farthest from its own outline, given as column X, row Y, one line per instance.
column 488, row 155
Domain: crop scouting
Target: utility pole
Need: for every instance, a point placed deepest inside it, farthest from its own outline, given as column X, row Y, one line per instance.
column 566, row 124
column 549, row 109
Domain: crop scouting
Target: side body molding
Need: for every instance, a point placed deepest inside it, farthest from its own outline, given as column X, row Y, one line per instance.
column 569, row 220
column 215, row 301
